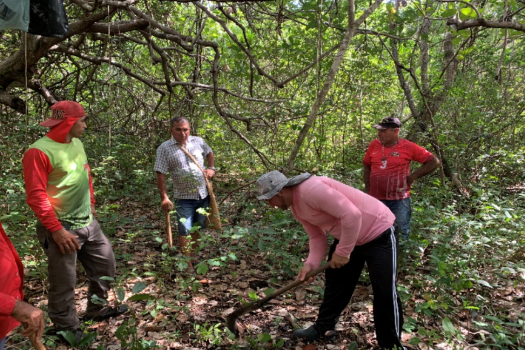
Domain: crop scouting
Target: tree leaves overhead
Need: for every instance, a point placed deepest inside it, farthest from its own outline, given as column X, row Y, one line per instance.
column 255, row 66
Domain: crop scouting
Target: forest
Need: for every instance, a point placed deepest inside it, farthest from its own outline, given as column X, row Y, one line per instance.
column 294, row 86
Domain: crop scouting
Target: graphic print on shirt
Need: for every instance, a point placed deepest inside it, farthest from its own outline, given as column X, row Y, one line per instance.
column 388, row 173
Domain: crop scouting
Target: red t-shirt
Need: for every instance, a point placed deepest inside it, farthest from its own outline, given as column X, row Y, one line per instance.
column 389, row 169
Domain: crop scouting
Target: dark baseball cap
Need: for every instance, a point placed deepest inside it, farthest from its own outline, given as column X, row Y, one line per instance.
column 388, row 123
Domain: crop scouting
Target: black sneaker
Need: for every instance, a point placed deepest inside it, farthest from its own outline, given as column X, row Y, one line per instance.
column 311, row 333
column 106, row 313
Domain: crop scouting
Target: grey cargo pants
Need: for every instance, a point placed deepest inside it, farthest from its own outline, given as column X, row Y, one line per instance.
column 97, row 258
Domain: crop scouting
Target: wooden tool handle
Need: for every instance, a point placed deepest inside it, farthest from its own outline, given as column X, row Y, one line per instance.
column 294, row 284
column 168, row 229
column 36, row 344
column 231, row 320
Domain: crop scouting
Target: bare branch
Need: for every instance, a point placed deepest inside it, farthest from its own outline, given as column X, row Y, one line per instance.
column 36, row 85
column 108, row 60
column 481, row 22
column 115, row 28
column 238, row 43
column 14, row 102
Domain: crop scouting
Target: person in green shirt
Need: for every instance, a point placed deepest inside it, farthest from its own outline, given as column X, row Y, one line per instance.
column 59, row 190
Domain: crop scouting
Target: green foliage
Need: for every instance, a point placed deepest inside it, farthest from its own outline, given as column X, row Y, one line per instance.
column 464, row 250
column 82, row 343
column 469, row 257
column 209, row 334
column 264, row 341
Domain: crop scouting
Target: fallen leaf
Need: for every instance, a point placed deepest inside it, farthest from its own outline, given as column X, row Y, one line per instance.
column 300, row 294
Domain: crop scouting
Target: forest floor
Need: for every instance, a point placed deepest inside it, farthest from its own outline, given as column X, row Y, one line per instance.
column 189, row 312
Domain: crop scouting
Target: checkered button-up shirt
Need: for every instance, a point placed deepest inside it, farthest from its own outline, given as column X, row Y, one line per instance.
column 188, row 180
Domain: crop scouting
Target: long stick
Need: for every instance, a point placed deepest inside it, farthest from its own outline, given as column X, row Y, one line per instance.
column 168, row 229
column 36, row 344
column 215, row 221
column 231, row 320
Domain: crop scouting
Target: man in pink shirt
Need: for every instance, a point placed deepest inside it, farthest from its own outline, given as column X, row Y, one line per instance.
column 363, row 232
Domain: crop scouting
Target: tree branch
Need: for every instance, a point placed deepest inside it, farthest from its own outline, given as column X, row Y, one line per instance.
column 481, row 22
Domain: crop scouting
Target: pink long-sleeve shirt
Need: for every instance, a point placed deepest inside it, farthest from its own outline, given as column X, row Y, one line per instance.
column 325, row 205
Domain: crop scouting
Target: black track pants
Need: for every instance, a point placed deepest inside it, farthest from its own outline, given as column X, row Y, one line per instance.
column 380, row 256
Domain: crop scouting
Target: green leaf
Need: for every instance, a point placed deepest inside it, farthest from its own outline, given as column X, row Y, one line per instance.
column 260, row 245
column 107, row 278
column 448, row 326
column 138, row 287
column 469, row 12
column 95, row 299
column 484, row 283
column 253, row 295
column 264, row 338
column 493, row 318
column 312, row 23
column 88, row 339
column 414, row 341
column 202, row 268
column 158, row 239
column 464, row 34
column 69, row 336
column 268, row 291
column 120, row 294
column 279, row 343
column 449, row 13
column 138, row 297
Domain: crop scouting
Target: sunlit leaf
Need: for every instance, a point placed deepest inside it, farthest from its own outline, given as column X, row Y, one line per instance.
column 138, row 297
column 449, row 13
column 448, row 326
column 88, row 339
column 264, row 337
column 138, row 287
column 484, row 283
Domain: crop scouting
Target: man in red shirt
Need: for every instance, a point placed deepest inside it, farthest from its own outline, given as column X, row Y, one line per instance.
column 387, row 174
column 13, row 310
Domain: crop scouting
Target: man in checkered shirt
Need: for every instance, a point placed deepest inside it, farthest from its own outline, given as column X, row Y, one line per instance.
column 189, row 186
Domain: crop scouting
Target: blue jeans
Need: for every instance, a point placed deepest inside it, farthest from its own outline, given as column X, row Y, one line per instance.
column 402, row 209
column 188, row 215
column 2, row 343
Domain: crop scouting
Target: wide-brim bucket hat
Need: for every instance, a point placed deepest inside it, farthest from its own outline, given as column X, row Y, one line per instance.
column 269, row 184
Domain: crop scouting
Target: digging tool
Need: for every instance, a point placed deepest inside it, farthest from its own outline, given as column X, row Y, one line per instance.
column 213, row 221
column 168, row 229
column 36, row 344
column 231, row 320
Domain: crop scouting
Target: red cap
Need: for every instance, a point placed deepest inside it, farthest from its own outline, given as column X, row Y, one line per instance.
column 62, row 110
